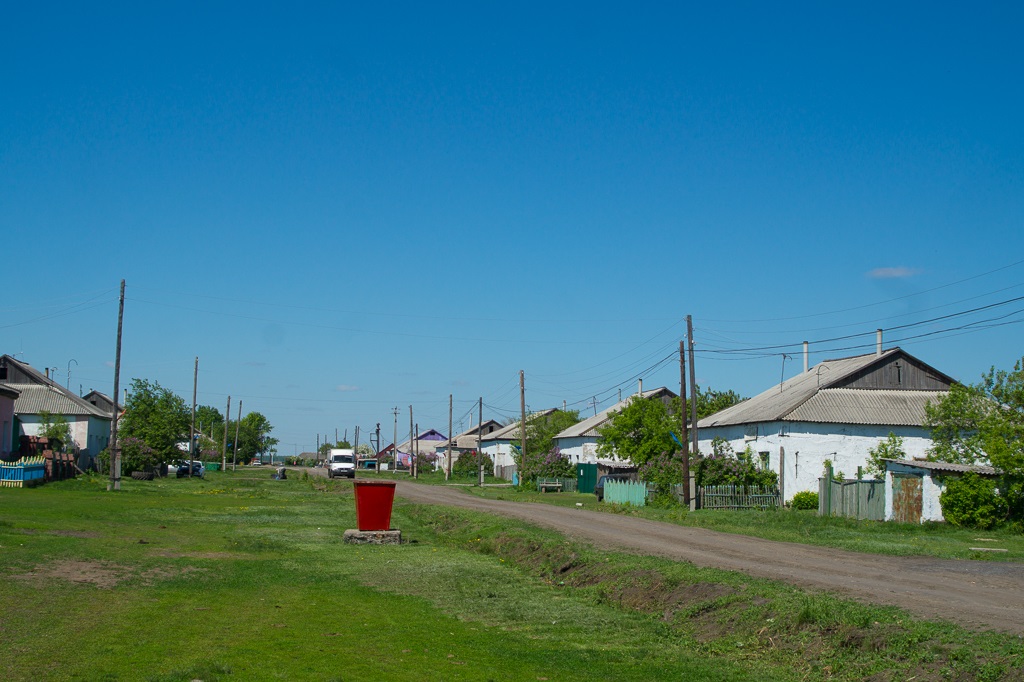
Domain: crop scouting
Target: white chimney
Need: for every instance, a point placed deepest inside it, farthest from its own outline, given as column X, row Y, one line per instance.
column 640, row 387
column 806, row 358
column 878, row 348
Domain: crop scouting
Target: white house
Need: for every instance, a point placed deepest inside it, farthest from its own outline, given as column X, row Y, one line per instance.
column 498, row 444
column 837, row 410
column 89, row 425
column 579, row 442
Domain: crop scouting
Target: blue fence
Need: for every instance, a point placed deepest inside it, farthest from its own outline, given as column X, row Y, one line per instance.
column 25, row 472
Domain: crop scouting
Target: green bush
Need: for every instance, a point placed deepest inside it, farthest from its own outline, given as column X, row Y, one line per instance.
column 973, row 502
column 805, row 500
column 468, row 463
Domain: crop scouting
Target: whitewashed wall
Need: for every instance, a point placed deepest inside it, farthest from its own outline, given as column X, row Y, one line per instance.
column 808, row 445
column 500, row 452
column 579, row 450
column 87, row 433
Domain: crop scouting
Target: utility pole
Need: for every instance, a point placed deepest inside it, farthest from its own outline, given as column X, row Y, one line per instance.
column 394, row 442
column 355, row 455
column 682, row 418
column 448, row 458
column 115, row 451
column 522, row 421
column 234, row 450
column 412, row 434
column 416, row 451
column 192, row 431
column 693, row 386
column 224, row 445
column 335, row 435
column 479, row 444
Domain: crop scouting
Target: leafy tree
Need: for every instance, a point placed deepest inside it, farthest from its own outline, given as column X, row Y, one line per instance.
column 542, row 458
column 254, row 436
column 890, row 448
column 209, row 421
column 137, row 456
column 156, row 417
column 710, row 401
column 55, row 427
column 364, row 449
column 640, row 432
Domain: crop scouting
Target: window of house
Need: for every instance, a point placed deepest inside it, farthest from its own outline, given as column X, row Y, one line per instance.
column 764, row 459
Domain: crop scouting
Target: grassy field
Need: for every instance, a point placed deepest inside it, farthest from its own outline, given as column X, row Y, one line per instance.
column 930, row 539
column 240, row 577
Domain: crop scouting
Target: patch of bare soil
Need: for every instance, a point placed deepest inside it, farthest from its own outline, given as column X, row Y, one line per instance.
column 97, row 573
column 75, row 533
column 169, row 554
column 102, row 574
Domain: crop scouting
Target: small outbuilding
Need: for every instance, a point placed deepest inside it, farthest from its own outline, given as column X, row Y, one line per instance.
column 913, row 487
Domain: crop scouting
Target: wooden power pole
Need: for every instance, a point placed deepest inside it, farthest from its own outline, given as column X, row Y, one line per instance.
column 683, row 417
column 192, row 430
column 448, row 458
column 522, row 421
column 480, row 445
column 115, row 451
column 693, row 398
column 234, row 450
column 224, row 445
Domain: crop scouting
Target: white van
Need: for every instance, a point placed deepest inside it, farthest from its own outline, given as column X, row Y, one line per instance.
column 341, row 462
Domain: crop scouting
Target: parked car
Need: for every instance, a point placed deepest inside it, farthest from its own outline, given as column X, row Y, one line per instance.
column 198, row 469
column 599, row 486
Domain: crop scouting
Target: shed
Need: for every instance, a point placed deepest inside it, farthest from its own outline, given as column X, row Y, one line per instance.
column 913, row 487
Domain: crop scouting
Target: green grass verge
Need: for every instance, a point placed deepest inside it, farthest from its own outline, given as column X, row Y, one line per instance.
column 786, row 525
column 241, row 577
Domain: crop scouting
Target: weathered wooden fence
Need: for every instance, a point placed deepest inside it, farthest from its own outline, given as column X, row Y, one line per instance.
column 738, row 497
column 626, row 492
column 505, row 472
column 27, row 471
column 863, row 499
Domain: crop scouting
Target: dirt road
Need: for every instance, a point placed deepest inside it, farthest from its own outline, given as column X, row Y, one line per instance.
column 977, row 594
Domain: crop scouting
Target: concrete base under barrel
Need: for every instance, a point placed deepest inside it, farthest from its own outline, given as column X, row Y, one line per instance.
column 372, row 537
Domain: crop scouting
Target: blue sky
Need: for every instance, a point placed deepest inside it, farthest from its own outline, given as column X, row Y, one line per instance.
column 343, row 209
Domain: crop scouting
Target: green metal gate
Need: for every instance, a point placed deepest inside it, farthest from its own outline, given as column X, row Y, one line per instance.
column 586, row 477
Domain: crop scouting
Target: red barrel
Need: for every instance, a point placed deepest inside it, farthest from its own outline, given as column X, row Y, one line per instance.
column 374, row 500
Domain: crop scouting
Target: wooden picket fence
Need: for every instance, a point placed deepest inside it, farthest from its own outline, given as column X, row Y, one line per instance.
column 738, row 497
column 27, row 471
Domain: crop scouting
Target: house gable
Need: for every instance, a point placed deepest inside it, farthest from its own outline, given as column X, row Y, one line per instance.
column 898, row 371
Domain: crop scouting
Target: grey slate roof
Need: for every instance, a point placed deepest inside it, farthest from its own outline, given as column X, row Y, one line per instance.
column 948, row 467
column 42, row 393
column 36, row 398
column 511, row 431
column 590, row 428
column 808, row 397
column 862, row 406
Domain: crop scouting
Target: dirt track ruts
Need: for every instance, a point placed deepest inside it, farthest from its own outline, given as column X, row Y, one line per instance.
column 977, row 594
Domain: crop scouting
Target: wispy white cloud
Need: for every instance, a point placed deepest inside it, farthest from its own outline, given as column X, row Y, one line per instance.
column 893, row 273
column 345, row 388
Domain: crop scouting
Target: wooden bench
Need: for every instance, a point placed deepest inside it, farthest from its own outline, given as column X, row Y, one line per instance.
column 548, row 484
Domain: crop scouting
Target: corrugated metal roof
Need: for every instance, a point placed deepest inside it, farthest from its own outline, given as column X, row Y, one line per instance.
column 590, row 427
column 865, row 406
column 37, row 398
column 949, row 467
column 511, row 431
column 785, row 402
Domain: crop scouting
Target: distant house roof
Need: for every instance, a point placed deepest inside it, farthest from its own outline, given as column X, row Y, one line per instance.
column 947, row 467
column 590, row 428
column 100, row 400
column 511, row 431
column 38, row 393
column 8, row 392
column 834, row 391
column 467, row 439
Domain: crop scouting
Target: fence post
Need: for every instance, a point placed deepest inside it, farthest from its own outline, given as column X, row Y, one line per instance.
column 828, row 488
